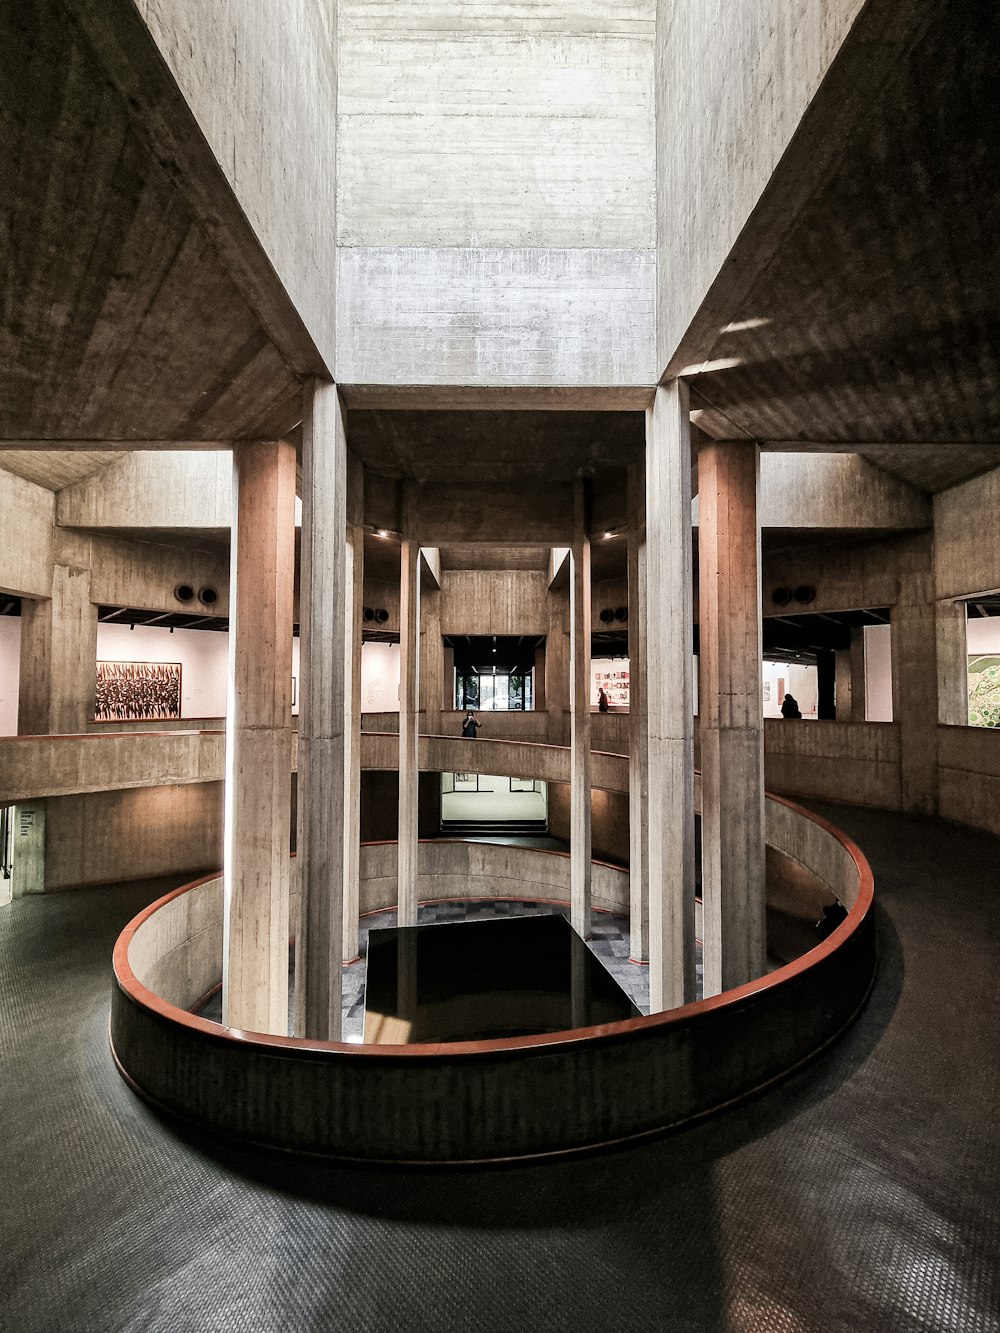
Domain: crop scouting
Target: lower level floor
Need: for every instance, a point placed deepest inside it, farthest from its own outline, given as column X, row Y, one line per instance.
column 860, row 1193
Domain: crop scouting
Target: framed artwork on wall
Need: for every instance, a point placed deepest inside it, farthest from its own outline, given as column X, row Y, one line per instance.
column 138, row 691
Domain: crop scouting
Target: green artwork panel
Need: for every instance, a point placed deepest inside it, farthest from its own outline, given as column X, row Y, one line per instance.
column 984, row 691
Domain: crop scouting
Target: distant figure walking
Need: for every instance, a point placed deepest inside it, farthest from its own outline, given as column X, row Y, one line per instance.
column 470, row 726
column 602, row 701
column 790, row 706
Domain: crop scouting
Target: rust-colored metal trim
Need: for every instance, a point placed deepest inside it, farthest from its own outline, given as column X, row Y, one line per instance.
column 578, row 1037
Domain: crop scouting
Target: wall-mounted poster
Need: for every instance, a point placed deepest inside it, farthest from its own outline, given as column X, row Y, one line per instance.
column 138, row 691
column 984, row 691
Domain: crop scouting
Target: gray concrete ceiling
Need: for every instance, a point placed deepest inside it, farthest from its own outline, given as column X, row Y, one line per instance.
column 118, row 320
column 493, row 447
column 878, row 322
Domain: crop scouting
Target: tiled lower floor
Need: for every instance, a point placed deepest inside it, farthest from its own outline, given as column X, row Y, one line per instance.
column 858, row 1194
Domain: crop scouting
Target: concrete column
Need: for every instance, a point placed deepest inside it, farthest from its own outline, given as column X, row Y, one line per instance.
column 579, row 705
column 826, row 674
column 915, row 701
column 355, row 596
column 842, row 684
column 638, row 779
column 323, row 597
column 432, row 661
column 58, row 671
column 556, row 669
column 951, row 622
column 859, row 676
column 409, row 703
column 732, row 751
column 258, row 739
column 667, row 666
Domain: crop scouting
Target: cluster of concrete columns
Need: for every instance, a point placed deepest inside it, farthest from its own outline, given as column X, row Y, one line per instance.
column 662, row 709
column 662, row 724
column 662, row 772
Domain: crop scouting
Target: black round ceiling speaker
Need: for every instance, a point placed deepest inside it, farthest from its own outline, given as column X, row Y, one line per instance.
column 607, row 615
column 621, row 613
column 805, row 593
column 208, row 596
column 781, row 596
column 368, row 613
column 381, row 615
column 184, row 592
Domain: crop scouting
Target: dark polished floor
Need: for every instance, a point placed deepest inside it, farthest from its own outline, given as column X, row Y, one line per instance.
column 859, row 1195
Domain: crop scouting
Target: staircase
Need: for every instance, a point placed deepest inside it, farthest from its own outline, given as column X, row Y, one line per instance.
column 494, row 828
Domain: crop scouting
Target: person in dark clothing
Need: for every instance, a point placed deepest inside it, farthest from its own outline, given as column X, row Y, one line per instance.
column 790, row 707
column 470, row 726
column 602, row 701
column 833, row 914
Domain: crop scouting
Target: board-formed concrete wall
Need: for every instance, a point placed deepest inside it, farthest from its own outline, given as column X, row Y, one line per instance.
column 261, row 79
column 496, row 211
column 114, row 836
column 27, row 512
column 733, row 79
column 967, row 537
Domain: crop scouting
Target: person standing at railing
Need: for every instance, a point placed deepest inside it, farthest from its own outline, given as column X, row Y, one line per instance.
column 470, row 726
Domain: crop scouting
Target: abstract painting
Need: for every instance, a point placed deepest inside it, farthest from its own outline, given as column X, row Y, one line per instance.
column 138, row 691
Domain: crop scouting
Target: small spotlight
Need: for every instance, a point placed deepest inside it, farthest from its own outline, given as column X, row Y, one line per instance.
column 381, row 533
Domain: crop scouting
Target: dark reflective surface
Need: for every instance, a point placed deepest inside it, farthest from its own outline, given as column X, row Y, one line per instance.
column 474, row 980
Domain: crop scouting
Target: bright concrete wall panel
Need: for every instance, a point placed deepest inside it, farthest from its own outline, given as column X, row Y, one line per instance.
column 26, row 515
column 733, row 78
column 967, row 537
column 172, row 488
column 261, row 79
column 496, row 210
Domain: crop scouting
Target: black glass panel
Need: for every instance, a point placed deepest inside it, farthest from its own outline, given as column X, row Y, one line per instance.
column 474, row 980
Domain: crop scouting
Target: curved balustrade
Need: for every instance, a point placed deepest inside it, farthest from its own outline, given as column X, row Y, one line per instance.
column 470, row 1101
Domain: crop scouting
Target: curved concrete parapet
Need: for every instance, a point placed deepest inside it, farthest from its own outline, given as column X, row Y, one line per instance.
column 490, row 1100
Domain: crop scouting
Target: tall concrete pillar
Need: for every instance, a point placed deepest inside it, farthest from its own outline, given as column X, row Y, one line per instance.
column 915, row 699
column 323, row 596
column 58, row 671
column 259, row 739
column 579, row 705
column 409, row 716
column 842, row 684
column 859, row 677
column 556, row 668
column 666, row 661
column 951, row 622
column 354, row 592
column 638, row 778
column 732, row 750
column 826, row 685
column 431, row 661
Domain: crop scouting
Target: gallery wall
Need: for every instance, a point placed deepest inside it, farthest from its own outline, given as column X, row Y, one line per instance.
column 781, row 678
column 203, row 657
column 10, row 653
column 878, row 673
